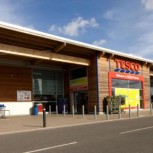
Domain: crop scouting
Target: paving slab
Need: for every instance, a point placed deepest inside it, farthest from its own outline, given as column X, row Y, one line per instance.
column 15, row 124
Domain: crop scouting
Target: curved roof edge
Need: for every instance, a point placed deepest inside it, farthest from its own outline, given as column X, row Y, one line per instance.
column 73, row 42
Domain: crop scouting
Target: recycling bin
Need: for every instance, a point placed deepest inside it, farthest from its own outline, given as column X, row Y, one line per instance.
column 2, row 110
column 35, row 110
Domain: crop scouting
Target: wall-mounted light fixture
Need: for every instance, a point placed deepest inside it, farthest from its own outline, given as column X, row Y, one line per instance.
column 24, row 54
column 69, row 61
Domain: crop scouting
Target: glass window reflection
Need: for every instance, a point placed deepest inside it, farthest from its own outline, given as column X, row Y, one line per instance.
column 135, row 84
column 47, row 85
column 126, row 84
column 119, row 83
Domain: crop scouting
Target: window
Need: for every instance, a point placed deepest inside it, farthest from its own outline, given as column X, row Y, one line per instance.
column 131, row 89
column 135, row 84
column 126, row 84
column 47, row 85
column 78, row 73
column 119, row 83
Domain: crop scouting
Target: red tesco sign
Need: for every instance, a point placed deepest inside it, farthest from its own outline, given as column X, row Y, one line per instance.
column 127, row 65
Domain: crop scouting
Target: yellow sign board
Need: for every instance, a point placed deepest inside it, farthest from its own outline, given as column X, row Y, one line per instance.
column 132, row 96
column 78, row 84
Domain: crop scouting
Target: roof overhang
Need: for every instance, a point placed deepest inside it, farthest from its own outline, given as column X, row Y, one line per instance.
column 43, row 55
column 43, row 41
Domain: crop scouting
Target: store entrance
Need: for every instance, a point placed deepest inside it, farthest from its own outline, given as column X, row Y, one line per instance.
column 80, row 98
column 132, row 90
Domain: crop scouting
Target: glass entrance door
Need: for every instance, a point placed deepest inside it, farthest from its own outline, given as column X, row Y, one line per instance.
column 48, row 87
column 80, row 99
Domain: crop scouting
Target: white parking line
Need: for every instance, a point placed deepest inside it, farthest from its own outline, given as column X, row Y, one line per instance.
column 150, row 127
column 48, row 148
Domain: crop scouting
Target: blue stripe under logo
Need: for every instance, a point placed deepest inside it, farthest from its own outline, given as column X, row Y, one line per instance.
column 126, row 71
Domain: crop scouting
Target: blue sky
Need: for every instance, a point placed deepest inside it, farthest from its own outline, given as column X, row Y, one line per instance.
column 121, row 25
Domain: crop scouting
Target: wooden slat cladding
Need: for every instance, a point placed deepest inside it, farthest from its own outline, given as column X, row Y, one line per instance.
column 146, row 75
column 112, row 64
column 103, row 68
column 92, row 85
column 13, row 79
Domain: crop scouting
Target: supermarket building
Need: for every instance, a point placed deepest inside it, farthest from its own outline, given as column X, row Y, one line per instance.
column 37, row 67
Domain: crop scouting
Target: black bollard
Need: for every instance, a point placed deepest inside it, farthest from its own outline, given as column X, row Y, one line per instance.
column 44, row 117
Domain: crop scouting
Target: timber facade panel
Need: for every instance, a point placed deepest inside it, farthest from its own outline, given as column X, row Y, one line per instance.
column 92, row 85
column 13, row 79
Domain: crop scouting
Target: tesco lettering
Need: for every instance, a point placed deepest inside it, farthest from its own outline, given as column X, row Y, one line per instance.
column 127, row 65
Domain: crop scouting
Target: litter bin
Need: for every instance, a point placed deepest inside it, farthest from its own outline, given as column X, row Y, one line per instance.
column 2, row 107
column 35, row 110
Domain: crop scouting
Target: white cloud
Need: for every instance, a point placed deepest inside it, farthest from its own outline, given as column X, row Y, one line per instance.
column 30, row 27
column 109, row 15
column 148, row 4
column 52, row 27
column 75, row 27
column 9, row 12
column 145, row 22
column 131, row 31
column 101, row 42
column 143, row 46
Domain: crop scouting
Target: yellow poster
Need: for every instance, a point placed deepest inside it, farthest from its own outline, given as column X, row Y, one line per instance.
column 132, row 96
column 79, row 81
column 79, row 84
